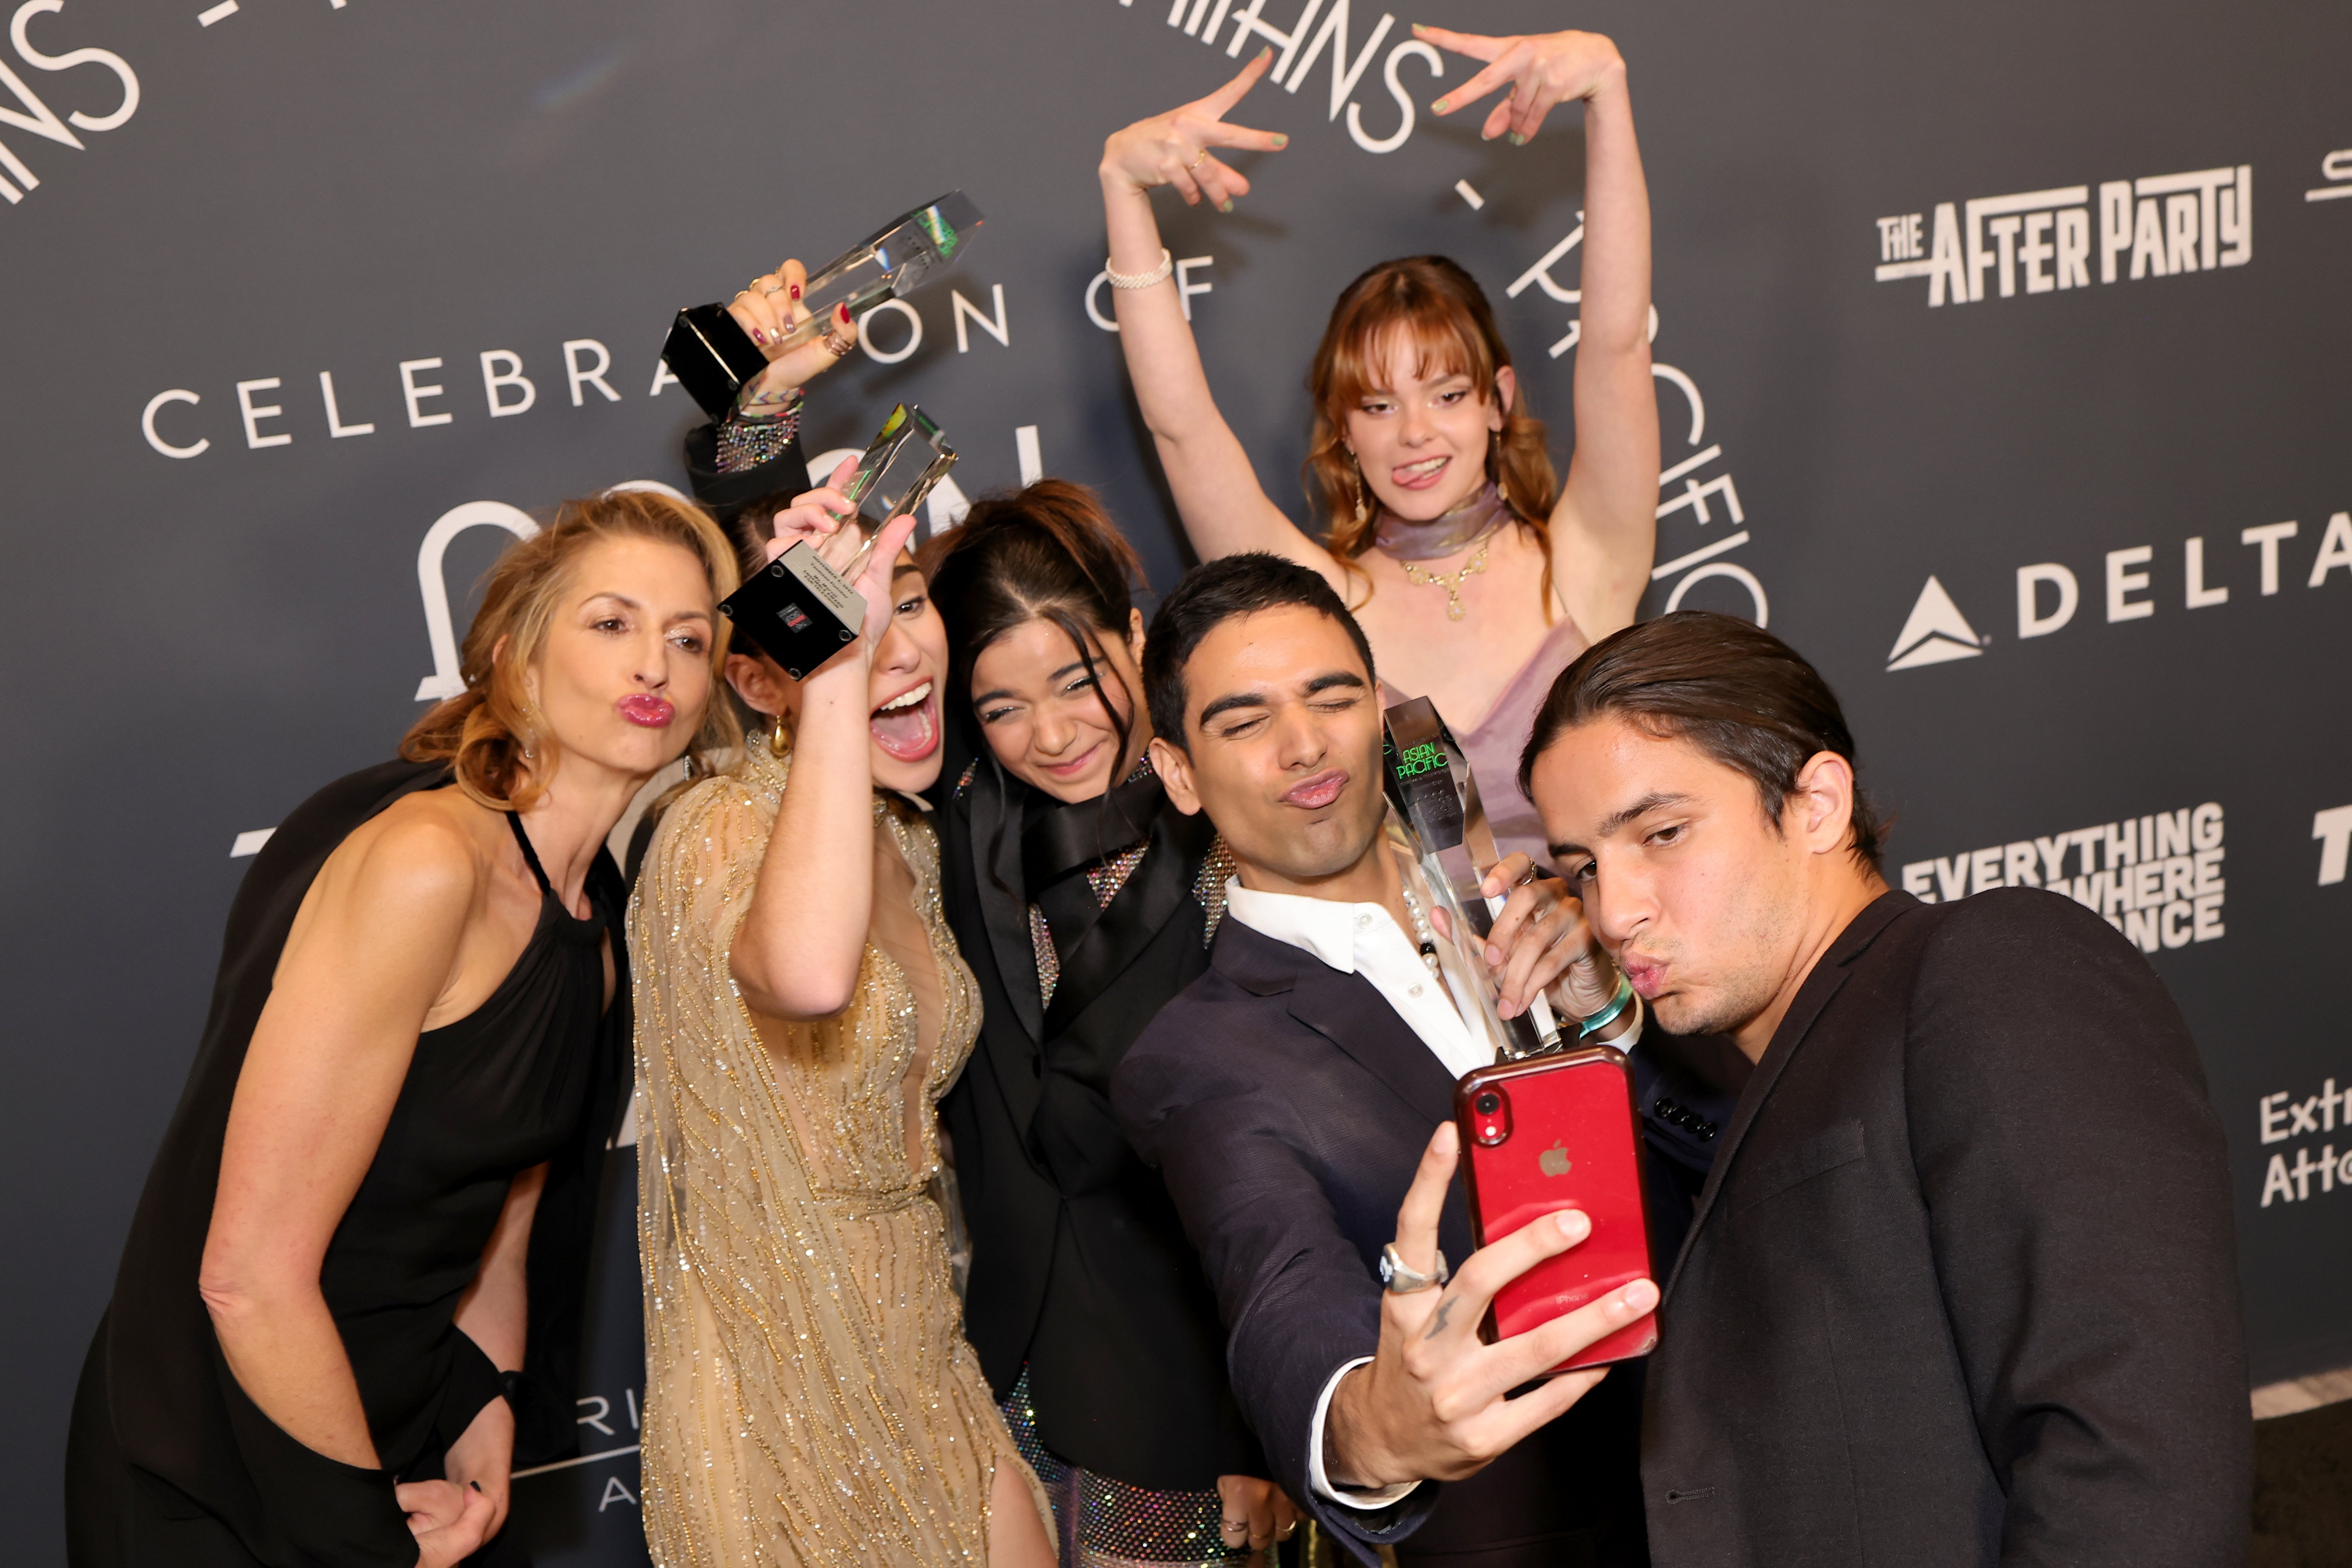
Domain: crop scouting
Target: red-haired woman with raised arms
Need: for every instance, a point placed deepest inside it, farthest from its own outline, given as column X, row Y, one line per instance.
column 350, row 1302
column 1476, row 573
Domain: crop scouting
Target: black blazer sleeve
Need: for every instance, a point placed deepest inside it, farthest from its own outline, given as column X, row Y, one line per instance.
column 2079, row 1208
column 1241, row 1163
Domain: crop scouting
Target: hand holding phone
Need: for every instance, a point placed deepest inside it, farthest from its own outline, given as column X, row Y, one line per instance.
column 1433, row 1404
column 1548, row 1134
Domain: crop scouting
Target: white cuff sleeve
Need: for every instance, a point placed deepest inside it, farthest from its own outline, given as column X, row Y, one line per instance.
column 1346, row 1497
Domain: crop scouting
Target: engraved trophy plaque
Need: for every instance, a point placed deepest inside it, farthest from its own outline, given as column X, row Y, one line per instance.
column 800, row 612
column 1441, row 828
column 714, row 359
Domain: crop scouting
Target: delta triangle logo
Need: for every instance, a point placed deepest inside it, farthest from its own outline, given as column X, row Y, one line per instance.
column 1935, row 633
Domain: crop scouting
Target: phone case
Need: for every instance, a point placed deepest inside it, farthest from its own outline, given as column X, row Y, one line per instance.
column 1560, row 1133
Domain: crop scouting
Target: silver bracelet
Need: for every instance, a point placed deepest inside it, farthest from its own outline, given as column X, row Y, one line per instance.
column 1159, row 274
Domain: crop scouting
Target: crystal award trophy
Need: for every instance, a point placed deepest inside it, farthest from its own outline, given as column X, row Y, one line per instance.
column 714, row 359
column 800, row 612
column 1448, row 847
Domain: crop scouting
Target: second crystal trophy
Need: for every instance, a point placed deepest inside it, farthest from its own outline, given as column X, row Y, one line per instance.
column 1443, row 825
column 715, row 360
column 800, row 612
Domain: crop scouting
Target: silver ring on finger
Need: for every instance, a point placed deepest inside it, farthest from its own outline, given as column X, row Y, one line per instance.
column 1400, row 1279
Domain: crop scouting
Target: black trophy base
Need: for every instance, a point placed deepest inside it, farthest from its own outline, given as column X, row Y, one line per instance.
column 712, row 358
column 799, row 612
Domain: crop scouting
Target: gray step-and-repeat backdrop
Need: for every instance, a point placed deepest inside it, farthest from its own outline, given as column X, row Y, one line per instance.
column 2004, row 354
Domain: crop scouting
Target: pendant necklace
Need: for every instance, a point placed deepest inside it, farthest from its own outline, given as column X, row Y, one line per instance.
column 1450, row 581
column 1472, row 523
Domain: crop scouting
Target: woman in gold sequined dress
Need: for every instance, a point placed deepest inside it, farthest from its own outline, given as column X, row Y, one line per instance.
column 810, row 1397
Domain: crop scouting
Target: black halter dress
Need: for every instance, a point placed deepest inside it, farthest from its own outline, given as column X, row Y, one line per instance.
column 170, row 1464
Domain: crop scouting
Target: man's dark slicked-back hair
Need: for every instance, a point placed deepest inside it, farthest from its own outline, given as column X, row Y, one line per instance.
column 1210, row 595
column 1734, row 691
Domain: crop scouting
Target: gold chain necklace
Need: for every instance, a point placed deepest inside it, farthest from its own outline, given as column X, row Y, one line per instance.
column 1450, row 581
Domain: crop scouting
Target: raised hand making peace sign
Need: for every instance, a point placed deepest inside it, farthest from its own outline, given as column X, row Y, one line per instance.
column 1543, row 70
column 1172, row 148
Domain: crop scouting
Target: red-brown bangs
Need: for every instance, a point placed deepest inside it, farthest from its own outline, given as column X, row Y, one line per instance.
column 1365, row 344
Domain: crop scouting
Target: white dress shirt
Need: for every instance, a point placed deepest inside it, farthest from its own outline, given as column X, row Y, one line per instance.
column 1364, row 938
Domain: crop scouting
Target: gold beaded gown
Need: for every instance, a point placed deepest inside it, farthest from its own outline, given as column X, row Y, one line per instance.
column 810, row 1397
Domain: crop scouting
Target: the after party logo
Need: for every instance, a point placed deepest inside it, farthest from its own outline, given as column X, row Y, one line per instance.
column 2041, row 242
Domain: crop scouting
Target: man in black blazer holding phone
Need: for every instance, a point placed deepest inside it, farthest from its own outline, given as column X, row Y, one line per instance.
column 1290, row 1094
column 1962, row 1287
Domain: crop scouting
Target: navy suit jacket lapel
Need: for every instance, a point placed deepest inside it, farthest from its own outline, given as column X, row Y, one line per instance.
column 1345, row 1009
column 1813, row 998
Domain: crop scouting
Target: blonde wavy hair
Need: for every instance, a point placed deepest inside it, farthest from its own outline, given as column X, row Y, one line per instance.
column 1430, row 304
column 486, row 729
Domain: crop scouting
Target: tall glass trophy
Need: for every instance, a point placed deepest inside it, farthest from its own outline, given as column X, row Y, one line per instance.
column 714, row 359
column 800, row 612
column 1438, row 824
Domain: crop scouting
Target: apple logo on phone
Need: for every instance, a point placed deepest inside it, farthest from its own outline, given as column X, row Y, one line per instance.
column 1553, row 1162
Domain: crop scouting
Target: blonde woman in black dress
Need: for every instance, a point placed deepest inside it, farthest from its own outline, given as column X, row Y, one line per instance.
column 349, row 1301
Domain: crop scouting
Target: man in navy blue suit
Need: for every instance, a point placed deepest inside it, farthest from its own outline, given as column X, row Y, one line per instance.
column 1290, row 1097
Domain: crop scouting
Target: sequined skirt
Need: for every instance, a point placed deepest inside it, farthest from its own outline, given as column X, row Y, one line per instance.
column 1103, row 1523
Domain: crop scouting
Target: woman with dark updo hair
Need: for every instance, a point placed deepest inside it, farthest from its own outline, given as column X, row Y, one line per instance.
column 1083, row 901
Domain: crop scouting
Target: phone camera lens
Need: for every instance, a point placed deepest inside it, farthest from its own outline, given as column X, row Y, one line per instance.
column 1489, row 1102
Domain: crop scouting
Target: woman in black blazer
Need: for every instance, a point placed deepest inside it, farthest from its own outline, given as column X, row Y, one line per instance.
column 1083, row 902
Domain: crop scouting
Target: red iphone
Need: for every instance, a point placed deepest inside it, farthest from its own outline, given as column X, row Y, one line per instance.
column 1554, row 1133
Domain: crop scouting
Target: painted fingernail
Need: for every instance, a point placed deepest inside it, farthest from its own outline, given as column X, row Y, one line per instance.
column 1515, row 139
column 841, row 310
column 1574, row 1223
column 1224, row 206
column 759, row 337
column 1440, row 107
column 1280, row 141
column 796, row 290
column 1265, row 54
